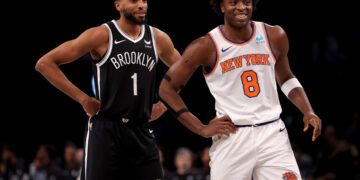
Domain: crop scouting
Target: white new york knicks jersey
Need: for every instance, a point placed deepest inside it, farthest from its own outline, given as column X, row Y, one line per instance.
column 243, row 78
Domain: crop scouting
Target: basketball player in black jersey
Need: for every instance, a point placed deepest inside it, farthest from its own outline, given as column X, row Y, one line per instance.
column 119, row 143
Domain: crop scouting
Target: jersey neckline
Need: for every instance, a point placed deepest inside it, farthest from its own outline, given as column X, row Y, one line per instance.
column 126, row 36
column 253, row 28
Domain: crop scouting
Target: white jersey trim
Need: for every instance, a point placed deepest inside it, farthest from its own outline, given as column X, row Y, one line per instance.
column 108, row 52
column 126, row 36
column 87, row 146
column 98, row 79
column 153, row 37
column 105, row 58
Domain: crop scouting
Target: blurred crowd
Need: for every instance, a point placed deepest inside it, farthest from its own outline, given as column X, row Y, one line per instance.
column 336, row 157
column 46, row 165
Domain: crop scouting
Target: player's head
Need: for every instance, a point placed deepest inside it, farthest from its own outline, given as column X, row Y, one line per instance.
column 133, row 10
column 236, row 12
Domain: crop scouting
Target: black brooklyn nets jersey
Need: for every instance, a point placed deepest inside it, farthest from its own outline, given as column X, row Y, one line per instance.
column 125, row 77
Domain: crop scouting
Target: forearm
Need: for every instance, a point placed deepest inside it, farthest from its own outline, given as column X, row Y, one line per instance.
column 56, row 77
column 169, row 95
column 298, row 97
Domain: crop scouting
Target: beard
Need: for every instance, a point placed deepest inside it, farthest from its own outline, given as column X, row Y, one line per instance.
column 130, row 17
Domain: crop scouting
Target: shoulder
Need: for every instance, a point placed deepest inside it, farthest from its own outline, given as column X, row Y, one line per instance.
column 201, row 50
column 203, row 43
column 275, row 32
column 162, row 40
column 278, row 38
column 160, row 35
column 99, row 32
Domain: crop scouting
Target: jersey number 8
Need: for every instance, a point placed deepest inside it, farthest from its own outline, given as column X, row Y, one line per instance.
column 250, row 83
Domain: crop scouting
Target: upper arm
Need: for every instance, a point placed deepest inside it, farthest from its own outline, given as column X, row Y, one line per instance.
column 165, row 47
column 92, row 40
column 198, row 53
column 280, row 44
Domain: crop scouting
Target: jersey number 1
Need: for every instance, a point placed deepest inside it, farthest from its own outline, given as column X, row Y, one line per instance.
column 134, row 77
column 250, row 83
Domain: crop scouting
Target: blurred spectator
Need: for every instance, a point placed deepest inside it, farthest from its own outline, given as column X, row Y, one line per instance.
column 353, row 131
column 205, row 160
column 167, row 173
column 338, row 159
column 44, row 166
column 184, row 163
column 79, row 160
column 79, row 155
column 71, row 163
column 2, row 170
column 304, row 161
column 11, row 167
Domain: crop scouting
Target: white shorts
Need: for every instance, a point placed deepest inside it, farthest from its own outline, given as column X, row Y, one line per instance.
column 258, row 153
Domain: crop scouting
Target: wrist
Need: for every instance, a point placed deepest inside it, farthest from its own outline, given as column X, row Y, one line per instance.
column 83, row 99
column 202, row 131
column 309, row 112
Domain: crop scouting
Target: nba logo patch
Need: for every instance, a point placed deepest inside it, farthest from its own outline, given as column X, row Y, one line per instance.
column 289, row 176
column 259, row 39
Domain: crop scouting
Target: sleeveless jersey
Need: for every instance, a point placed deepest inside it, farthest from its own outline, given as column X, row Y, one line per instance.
column 125, row 77
column 243, row 79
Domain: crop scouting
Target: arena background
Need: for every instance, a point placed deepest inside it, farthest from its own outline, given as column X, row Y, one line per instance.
column 324, row 42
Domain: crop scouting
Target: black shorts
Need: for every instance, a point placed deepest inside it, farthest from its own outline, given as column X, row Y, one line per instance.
column 116, row 150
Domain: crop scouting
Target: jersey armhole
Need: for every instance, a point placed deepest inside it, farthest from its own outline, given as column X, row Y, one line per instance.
column 268, row 43
column 108, row 50
column 153, row 37
column 207, row 71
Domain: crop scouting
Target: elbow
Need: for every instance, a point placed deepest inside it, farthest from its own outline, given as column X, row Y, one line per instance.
column 41, row 65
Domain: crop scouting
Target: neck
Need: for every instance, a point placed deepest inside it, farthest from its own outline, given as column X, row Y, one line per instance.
column 238, row 34
column 131, row 29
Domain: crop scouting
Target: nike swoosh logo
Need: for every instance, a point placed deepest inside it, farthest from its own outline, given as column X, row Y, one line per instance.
column 147, row 42
column 282, row 129
column 118, row 42
column 223, row 50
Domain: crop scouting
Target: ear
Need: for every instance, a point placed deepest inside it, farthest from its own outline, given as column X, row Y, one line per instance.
column 117, row 4
column 222, row 8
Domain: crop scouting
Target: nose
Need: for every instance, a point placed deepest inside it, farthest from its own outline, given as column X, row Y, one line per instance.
column 240, row 5
column 142, row 4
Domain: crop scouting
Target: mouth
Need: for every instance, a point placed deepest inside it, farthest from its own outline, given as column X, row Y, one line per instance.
column 141, row 14
column 241, row 16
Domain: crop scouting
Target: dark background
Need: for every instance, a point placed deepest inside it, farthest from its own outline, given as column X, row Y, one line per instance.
column 324, row 42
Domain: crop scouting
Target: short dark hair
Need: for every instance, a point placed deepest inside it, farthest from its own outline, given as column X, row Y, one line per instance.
column 216, row 5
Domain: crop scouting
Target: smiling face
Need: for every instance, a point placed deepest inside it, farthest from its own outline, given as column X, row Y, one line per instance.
column 237, row 13
column 133, row 11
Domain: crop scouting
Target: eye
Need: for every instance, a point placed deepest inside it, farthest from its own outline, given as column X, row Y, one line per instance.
column 247, row 2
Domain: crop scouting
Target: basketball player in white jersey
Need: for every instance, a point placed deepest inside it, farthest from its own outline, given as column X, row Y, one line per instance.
column 243, row 60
